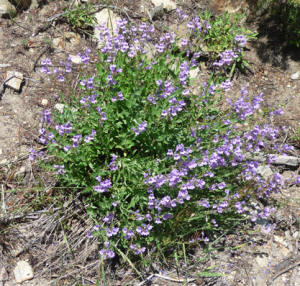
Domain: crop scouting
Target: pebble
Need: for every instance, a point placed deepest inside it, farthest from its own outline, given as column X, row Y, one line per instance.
column 4, row 65
column 44, row 102
column 265, row 171
column 166, row 4
column 280, row 240
column 75, row 59
column 14, row 80
column 295, row 234
column 23, row 271
column 295, row 75
column 194, row 73
column 59, row 107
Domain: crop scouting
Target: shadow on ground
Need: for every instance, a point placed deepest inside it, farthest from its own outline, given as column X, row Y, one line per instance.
column 273, row 40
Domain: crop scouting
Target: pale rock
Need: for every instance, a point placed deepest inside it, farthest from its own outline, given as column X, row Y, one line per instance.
column 3, row 162
column 107, row 17
column 278, row 159
column 23, row 271
column 194, row 73
column 75, row 59
column 280, row 240
column 14, row 80
column 44, row 102
column 17, row 250
column 286, row 160
column 166, row 4
column 4, row 65
column 295, row 75
column 1, row 151
column 265, row 171
column 7, row 9
column 59, row 107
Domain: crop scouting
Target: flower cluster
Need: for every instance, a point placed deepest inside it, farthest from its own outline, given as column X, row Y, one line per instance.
column 240, row 40
column 103, row 186
column 141, row 128
column 226, row 58
column 243, row 107
column 107, row 252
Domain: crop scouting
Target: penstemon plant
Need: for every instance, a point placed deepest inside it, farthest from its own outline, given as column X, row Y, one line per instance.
column 156, row 162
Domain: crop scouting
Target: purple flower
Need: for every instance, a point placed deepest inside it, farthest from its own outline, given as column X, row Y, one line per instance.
column 103, row 186
column 60, row 169
column 46, row 117
column 240, row 40
column 226, row 85
column 226, row 58
column 90, row 137
column 141, row 128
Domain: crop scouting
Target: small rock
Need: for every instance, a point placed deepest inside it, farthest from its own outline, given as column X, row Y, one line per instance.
column 166, row 4
column 194, row 73
column 75, row 59
column 7, row 9
column 14, row 80
column 23, row 271
column 295, row 75
column 295, row 234
column 265, row 171
column 286, row 160
column 280, row 240
column 44, row 102
column 17, row 250
column 59, row 107
column 3, row 162
column 4, row 65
